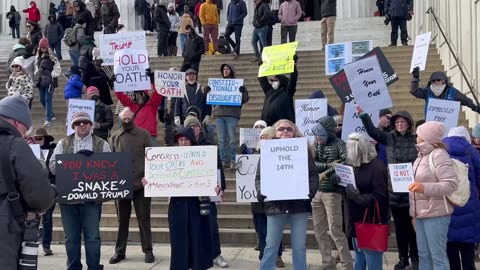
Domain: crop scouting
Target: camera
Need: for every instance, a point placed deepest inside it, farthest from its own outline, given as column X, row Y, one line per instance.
column 204, row 206
column 28, row 258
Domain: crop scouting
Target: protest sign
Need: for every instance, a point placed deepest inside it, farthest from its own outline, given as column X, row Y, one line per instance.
column 170, row 83
column 346, row 174
column 45, row 154
column 278, row 59
column 368, row 86
column 340, row 83
column 79, row 105
column 129, row 68
column 307, row 113
column 111, row 43
column 401, row 176
column 284, row 169
column 36, row 151
column 339, row 54
column 250, row 137
column 352, row 123
column 420, row 51
column 225, row 92
column 181, row 171
column 95, row 178
column 217, row 198
column 245, row 178
column 444, row 111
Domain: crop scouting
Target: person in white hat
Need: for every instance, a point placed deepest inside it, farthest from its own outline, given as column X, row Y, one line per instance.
column 19, row 82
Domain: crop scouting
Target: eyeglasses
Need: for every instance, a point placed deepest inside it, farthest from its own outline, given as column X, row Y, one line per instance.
column 84, row 122
column 259, row 127
column 38, row 139
column 194, row 126
column 15, row 66
column 283, row 129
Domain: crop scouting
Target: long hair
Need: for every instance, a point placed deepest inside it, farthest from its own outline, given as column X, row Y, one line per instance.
column 359, row 149
column 296, row 133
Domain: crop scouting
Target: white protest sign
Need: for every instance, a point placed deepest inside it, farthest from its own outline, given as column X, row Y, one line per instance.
column 401, row 176
column 284, row 169
column 346, row 174
column 225, row 92
column 444, row 111
column 129, row 68
column 307, row 113
column 181, row 171
column 36, row 151
column 217, row 198
column 250, row 137
column 111, row 43
column 339, row 54
column 79, row 105
column 368, row 85
column 420, row 51
column 170, row 83
column 352, row 122
column 245, row 178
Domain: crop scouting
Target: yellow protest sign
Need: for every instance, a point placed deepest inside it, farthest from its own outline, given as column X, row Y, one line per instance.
column 278, row 59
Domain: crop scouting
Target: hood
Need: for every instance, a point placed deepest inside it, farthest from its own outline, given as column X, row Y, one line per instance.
column 457, row 146
column 283, row 80
column 438, row 75
column 18, row 46
column 80, row 4
column 54, row 18
column 185, row 132
column 34, row 4
column 12, row 9
column 52, row 5
column 319, row 131
column 232, row 68
column 405, row 115
column 317, row 94
column 329, row 125
column 7, row 128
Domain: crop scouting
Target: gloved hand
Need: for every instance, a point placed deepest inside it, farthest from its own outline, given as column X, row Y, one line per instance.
column 85, row 152
column 261, row 197
column 242, row 89
column 112, row 79
column 207, row 89
column 416, row 73
column 295, row 58
column 96, row 125
column 335, row 179
column 416, row 187
column 206, row 120
column 150, row 74
column 177, row 121
column 168, row 118
column 243, row 148
column 260, row 62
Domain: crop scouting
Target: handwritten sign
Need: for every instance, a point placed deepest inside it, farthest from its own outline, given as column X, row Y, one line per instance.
column 420, row 51
column 98, row 177
column 170, row 83
column 225, row 92
column 36, row 151
column 129, row 68
column 368, row 86
column 352, row 122
column 79, row 105
column 111, row 43
column 307, row 113
column 401, row 176
column 346, row 174
column 181, row 171
column 444, row 111
column 284, row 169
column 250, row 137
column 245, row 178
column 278, row 59
column 339, row 54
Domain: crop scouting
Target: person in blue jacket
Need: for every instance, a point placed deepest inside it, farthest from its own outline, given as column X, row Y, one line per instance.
column 464, row 229
column 74, row 86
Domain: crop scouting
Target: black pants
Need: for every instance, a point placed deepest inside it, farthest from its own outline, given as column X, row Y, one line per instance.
column 172, row 40
column 290, row 30
column 269, row 35
column 190, row 64
column 405, row 234
column 162, row 43
column 461, row 255
column 237, row 29
column 216, row 249
column 396, row 23
column 142, row 210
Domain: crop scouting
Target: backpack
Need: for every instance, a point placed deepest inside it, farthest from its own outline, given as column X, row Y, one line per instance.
column 70, row 36
column 459, row 197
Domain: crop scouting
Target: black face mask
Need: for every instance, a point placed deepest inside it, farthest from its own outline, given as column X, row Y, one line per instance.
column 127, row 126
column 95, row 97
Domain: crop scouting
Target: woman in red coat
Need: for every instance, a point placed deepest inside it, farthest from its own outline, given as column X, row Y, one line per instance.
column 33, row 12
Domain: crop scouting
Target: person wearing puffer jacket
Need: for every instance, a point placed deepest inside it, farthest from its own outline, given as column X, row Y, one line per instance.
column 429, row 207
column 74, row 86
column 19, row 82
column 465, row 223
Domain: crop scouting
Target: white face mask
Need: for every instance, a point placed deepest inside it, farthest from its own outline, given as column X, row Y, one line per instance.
column 275, row 84
column 437, row 89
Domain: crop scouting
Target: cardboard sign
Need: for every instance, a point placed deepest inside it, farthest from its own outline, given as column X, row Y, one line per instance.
column 352, row 122
column 420, row 51
column 307, row 113
column 284, row 169
column 245, row 178
column 79, row 105
column 346, row 174
column 340, row 83
column 444, row 111
column 368, row 86
column 36, row 151
column 129, row 68
column 339, row 54
column 250, row 137
column 225, row 92
column 278, row 59
column 97, row 178
column 111, row 43
column 181, row 171
column 170, row 83
column 401, row 176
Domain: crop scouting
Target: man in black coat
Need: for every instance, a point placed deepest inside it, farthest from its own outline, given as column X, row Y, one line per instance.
column 82, row 12
column 140, row 9
column 110, row 16
column 194, row 49
column 162, row 24
column 398, row 11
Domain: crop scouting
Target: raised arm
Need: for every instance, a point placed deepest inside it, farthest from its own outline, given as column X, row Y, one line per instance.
column 372, row 131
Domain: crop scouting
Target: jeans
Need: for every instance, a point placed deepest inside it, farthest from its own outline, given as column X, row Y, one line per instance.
column 46, row 95
column 396, row 23
column 432, row 242
column 75, row 56
column 81, row 219
column 210, row 30
column 58, row 49
column 16, row 29
column 237, row 29
column 275, row 226
column 405, row 233
column 183, row 37
column 290, row 30
column 260, row 222
column 259, row 35
column 47, row 227
column 466, row 251
column 327, row 29
column 216, row 250
column 367, row 258
column 140, row 22
column 226, row 127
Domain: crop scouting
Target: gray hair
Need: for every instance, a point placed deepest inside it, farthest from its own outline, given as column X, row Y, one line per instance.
column 124, row 111
column 359, row 149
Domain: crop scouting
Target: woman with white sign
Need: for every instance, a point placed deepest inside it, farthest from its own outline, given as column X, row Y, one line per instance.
column 293, row 212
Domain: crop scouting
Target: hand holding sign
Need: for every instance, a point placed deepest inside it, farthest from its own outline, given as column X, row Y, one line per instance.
column 170, row 83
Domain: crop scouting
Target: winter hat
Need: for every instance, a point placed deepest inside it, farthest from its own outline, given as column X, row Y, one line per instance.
column 190, row 71
column 171, row 6
column 80, row 116
column 384, row 112
column 185, row 132
column 163, row 2
column 476, row 131
column 96, row 53
column 16, row 108
column 75, row 70
column 317, row 94
column 194, row 111
column 431, row 131
column 91, row 91
column 191, row 120
column 269, row 131
column 260, row 123
column 43, row 43
column 320, row 132
column 17, row 61
column 460, row 131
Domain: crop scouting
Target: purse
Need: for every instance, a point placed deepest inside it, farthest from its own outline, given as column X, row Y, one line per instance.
column 372, row 236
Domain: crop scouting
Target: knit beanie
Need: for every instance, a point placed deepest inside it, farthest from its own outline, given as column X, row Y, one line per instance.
column 91, row 91
column 460, row 131
column 191, row 120
column 43, row 43
column 269, row 131
column 476, row 131
column 320, row 132
column 16, row 108
column 384, row 112
column 96, row 53
column 431, row 131
column 260, row 123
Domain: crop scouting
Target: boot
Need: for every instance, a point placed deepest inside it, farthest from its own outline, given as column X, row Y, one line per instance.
column 169, row 51
column 402, row 264
column 174, row 50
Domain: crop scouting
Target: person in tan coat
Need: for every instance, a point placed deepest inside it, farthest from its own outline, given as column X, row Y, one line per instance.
column 210, row 20
column 428, row 203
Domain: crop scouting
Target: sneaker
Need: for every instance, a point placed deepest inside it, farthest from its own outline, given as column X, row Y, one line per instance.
column 53, row 118
column 220, row 261
column 256, row 59
column 392, row 45
column 217, row 53
column 47, row 252
column 280, row 262
column 257, row 248
column 236, row 56
column 402, row 264
column 46, row 124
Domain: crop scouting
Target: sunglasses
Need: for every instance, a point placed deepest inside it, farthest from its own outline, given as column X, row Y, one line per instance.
column 283, row 129
column 84, row 122
column 38, row 139
column 437, row 80
column 259, row 127
column 28, row 26
column 15, row 66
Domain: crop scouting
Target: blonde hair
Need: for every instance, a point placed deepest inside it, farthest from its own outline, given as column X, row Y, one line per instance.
column 296, row 131
column 359, row 149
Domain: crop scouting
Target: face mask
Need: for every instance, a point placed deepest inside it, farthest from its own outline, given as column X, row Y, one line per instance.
column 127, row 126
column 437, row 89
column 191, row 82
column 95, row 97
column 275, row 85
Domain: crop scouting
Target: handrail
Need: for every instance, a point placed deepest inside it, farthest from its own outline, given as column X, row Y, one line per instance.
column 459, row 64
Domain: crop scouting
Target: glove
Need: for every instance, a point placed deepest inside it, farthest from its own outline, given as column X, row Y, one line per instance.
column 177, row 121
column 295, row 58
column 168, row 118
column 416, row 73
column 416, row 187
column 243, row 148
column 206, row 120
column 335, row 179
column 85, row 152
column 113, row 78
column 150, row 74
column 260, row 197
column 260, row 62
column 96, row 125
column 242, row 89
column 351, row 191
column 207, row 89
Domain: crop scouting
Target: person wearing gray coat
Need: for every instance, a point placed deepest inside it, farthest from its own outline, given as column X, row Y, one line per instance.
column 398, row 12
column 54, row 34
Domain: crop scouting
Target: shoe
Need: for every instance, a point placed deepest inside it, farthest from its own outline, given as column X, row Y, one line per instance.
column 220, row 261
column 402, row 264
column 217, row 53
column 47, row 252
column 257, row 248
column 46, row 124
column 256, row 59
column 392, row 45
column 116, row 259
column 280, row 262
column 236, row 56
column 149, row 258
column 405, row 43
column 53, row 118
column 415, row 264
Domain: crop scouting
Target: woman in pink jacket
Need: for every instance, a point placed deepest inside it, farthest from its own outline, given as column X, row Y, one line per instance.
column 428, row 205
